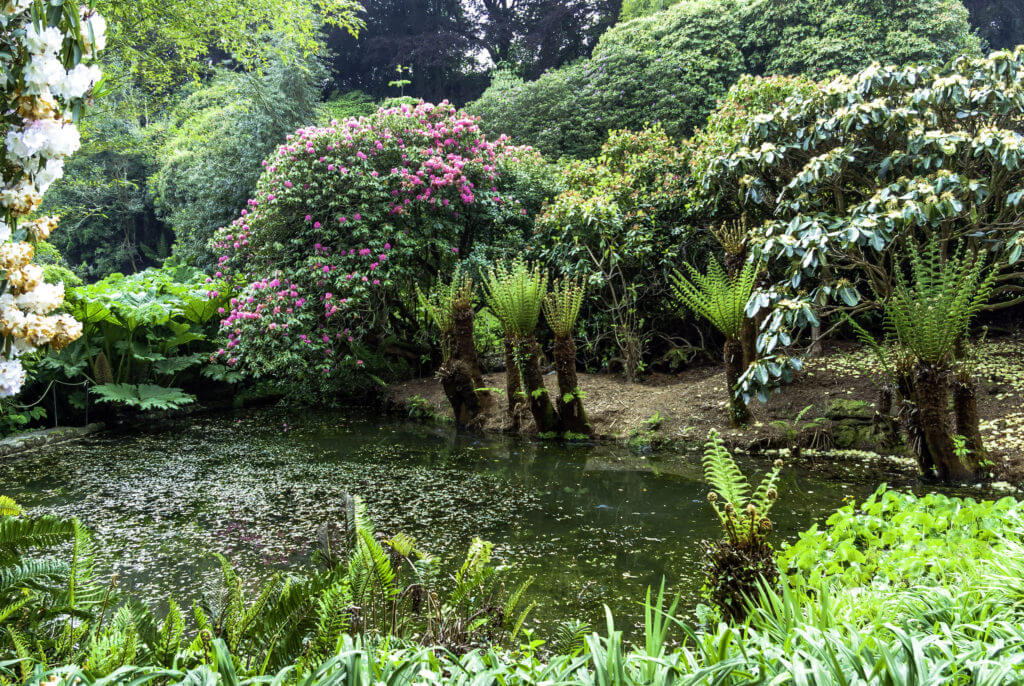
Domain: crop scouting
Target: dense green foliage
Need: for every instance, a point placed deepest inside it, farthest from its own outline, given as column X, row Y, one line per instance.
column 210, row 156
column 146, row 337
column 671, row 67
column 620, row 218
column 56, row 612
column 898, row 589
column 846, row 176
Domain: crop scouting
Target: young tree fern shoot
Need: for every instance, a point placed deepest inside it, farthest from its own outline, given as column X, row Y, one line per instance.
column 722, row 299
column 515, row 294
column 561, row 309
column 929, row 315
column 450, row 306
column 743, row 560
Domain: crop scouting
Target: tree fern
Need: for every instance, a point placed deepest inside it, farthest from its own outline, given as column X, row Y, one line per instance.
column 723, row 475
column 932, row 310
column 441, row 302
column 716, row 296
column 562, row 306
column 515, row 294
column 743, row 516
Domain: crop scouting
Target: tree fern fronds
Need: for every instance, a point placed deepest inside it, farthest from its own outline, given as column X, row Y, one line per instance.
column 874, row 346
column 7, row 611
column 515, row 294
column 743, row 518
column 9, row 508
column 716, row 296
column 21, row 650
column 562, row 306
column 18, row 534
column 932, row 310
column 474, row 571
column 442, row 301
column 30, row 571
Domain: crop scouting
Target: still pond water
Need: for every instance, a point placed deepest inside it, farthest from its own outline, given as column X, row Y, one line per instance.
column 593, row 524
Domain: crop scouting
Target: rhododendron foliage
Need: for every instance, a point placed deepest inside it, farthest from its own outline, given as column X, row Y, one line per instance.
column 346, row 220
column 44, row 79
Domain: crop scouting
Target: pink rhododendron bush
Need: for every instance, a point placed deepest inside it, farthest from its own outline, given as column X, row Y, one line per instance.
column 345, row 221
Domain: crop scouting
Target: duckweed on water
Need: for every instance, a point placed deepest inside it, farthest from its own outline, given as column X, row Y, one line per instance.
column 590, row 523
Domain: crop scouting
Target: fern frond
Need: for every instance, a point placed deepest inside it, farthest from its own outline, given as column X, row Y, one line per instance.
column 28, row 572
column 9, row 508
column 515, row 294
column 716, row 296
column 562, row 306
column 722, row 474
column 568, row 637
column 932, row 310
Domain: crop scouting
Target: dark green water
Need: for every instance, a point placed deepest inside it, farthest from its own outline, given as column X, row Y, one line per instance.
column 594, row 524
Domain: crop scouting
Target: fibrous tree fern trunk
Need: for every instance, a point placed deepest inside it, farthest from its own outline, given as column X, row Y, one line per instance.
column 513, row 387
column 930, row 385
column 527, row 353
column 732, row 352
column 965, row 412
column 461, row 377
column 570, row 405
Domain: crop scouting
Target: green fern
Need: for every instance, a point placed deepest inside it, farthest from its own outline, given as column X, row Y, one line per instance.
column 143, row 396
column 932, row 310
column 568, row 637
column 743, row 516
column 716, row 296
column 515, row 294
column 442, row 302
column 9, row 508
column 562, row 306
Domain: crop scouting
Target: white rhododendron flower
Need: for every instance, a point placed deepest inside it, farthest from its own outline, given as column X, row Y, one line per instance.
column 99, row 29
column 43, row 72
column 39, row 135
column 44, row 298
column 43, row 41
column 78, row 82
column 12, row 377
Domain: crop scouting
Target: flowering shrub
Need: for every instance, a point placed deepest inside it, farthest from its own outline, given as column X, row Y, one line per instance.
column 840, row 179
column 619, row 224
column 44, row 78
column 347, row 219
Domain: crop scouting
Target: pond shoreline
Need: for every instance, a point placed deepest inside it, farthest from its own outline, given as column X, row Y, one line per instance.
column 829, row 406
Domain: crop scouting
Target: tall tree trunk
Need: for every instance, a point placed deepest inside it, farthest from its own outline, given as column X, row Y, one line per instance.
column 932, row 402
column 733, row 355
column 965, row 412
column 528, row 359
column 570, row 412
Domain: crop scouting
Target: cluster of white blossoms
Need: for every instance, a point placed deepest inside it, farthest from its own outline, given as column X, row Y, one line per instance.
column 49, row 76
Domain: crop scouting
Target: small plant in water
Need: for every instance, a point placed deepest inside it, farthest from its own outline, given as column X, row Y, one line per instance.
column 743, row 561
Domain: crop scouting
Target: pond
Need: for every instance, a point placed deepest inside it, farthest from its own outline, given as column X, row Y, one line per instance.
column 593, row 524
